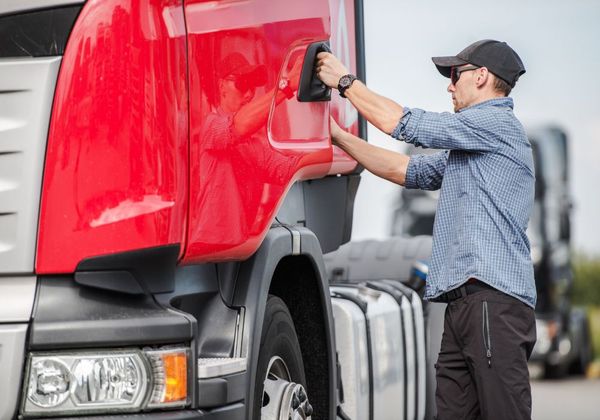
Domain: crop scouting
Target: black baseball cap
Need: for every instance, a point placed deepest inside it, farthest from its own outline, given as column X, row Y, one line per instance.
column 497, row 56
column 235, row 65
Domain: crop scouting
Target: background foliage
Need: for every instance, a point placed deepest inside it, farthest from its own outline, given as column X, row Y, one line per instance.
column 586, row 292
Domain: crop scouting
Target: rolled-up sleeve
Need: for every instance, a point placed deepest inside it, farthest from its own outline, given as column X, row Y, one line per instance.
column 426, row 172
column 471, row 131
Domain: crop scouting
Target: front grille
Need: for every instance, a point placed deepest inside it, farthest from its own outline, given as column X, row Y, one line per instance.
column 26, row 93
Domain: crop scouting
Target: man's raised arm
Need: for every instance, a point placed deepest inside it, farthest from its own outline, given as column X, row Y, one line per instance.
column 380, row 111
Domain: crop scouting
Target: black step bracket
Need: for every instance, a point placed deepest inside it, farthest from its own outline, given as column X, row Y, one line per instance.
column 149, row 270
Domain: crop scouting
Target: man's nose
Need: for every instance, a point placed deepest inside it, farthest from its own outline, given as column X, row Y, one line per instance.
column 451, row 87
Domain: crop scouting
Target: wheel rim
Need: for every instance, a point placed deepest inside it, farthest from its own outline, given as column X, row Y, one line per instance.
column 283, row 399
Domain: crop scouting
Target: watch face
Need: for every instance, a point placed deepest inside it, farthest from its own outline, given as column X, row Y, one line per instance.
column 345, row 81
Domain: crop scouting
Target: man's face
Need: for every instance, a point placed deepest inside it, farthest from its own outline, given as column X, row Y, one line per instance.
column 234, row 94
column 463, row 86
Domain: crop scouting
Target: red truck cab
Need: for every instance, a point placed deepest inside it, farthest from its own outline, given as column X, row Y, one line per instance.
column 168, row 188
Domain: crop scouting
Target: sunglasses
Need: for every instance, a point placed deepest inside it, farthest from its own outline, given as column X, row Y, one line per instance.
column 455, row 72
column 242, row 83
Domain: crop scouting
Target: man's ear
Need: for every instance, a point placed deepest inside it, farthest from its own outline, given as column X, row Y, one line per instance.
column 483, row 77
column 221, row 87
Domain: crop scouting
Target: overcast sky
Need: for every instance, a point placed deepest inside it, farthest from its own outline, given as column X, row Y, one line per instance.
column 559, row 43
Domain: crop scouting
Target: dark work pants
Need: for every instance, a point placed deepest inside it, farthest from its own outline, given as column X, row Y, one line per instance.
column 482, row 366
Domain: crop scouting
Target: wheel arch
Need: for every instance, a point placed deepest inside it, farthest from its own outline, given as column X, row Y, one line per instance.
column 297, row 276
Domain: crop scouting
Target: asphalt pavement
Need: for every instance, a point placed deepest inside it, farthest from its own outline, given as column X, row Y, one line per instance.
column 567, row 399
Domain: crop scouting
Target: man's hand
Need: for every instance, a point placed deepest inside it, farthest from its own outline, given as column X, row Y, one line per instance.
column 383, row 163
column 330, row 69
column 336, row 131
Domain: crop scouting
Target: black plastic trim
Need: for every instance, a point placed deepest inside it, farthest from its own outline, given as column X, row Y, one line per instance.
column 215, row 392
column 231, row 412
column 361, row 67
column 69, row 316
column 329, row 209
column 41, row 33
column 197, row 294
column 227, row 273
column 150, row 270
column 117, row 281
column 164, row 415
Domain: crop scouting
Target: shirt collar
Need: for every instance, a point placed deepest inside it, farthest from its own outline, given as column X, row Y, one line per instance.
column 503, row 102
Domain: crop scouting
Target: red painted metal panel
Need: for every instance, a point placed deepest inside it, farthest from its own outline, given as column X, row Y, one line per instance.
column 248, row 140
column 116, row 166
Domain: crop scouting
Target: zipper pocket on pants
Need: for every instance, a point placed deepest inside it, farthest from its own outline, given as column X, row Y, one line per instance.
column 487, row 342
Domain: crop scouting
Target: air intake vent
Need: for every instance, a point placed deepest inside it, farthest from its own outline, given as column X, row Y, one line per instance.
column 26, row 92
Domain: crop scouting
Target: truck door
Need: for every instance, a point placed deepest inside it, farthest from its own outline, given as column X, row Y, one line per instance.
column 250, row 137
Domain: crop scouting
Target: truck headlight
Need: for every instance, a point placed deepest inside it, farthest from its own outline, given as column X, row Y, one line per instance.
column 105, row 381
column 50, row 382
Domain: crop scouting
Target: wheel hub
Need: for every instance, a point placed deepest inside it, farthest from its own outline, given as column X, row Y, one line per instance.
column 282, row 398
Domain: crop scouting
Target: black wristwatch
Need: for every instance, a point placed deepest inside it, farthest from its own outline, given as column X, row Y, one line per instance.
column 345, row 82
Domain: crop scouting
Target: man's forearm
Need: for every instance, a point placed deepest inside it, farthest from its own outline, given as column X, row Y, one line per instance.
column 380, row 111
column 384, row 163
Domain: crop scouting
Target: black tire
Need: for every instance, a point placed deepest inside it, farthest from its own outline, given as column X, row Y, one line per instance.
column 278, row 338
column 555, row 371
column 586, row 352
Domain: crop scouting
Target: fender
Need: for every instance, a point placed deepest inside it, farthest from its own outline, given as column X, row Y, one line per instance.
column 252, row 289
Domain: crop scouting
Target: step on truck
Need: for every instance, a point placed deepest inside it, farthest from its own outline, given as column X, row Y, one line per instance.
column 168, row 191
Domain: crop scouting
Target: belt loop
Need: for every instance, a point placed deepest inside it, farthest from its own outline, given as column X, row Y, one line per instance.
column 463, row 291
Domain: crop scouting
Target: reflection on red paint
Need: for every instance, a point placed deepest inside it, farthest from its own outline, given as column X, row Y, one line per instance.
column 296, row 124
column 115, row 176
column 250, row 137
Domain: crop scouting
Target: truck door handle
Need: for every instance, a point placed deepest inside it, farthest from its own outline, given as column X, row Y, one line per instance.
column 310, row 88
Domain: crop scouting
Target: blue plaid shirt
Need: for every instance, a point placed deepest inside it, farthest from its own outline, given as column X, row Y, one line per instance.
column 487, row 181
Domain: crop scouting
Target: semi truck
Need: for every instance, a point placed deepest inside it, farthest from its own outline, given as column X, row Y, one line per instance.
column 564, row 342
column 168, row 193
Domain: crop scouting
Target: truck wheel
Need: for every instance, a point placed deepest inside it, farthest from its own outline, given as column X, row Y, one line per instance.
column 555, row 371
column 585, row 354
column 280, row 389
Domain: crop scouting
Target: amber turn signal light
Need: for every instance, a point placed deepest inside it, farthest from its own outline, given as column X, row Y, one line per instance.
column 170, row 372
